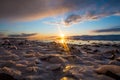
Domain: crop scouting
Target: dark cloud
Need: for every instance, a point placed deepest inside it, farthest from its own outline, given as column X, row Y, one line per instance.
column 36, row 9
column 30, row 9
column 108, row 30
column 22, row 35
column 93, row 10
column 72, row 19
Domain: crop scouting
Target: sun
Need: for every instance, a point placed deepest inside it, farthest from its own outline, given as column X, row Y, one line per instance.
column 62, row 38
column 62, row 35
column 63, row 42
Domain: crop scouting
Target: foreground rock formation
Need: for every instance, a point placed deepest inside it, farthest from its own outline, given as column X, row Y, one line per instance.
column 22, row 59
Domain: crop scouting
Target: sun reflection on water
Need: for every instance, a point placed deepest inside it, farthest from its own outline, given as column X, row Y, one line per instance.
column 63, row 42
column 67, row 68
column 62, row 38
column 66, row 78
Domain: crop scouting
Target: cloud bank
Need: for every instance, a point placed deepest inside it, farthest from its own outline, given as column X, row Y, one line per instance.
column 107, row 30
column 30, row 9
column 22, row 35
column 78, row 10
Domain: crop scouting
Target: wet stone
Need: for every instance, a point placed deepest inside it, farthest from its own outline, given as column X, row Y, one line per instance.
column 4, row 76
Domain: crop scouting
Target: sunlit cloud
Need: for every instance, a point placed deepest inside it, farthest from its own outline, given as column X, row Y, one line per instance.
column 37, row 9
column 58, row 24
column 30, row 9
column 77, row 18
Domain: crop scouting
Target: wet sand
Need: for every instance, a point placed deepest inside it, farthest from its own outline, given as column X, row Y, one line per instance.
column 33, row 60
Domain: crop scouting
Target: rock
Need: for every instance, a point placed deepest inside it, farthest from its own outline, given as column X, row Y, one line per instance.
column 109, row 70
column 4, row 76
column 96, row 50
column 6, row 42
column 56, row 59
column 29, row 55
column 53, row 59
column 114, row 62
column 118, row 59
column 11, row 71
column 30, row 52
column 8, row 63
column 32, row 69
column 98, row 57
column 72, row 59
column 54, row 67
column 44, row 76
column 13, row 47
column 112, row 75
column 33, row 77
column 21, row 43
column 75, row 50
column 20, row 65
column 103, row 69
column 109, row 55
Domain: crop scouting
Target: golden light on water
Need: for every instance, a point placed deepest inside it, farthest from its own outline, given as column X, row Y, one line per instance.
column 67, row 78
column 62, row 38
column 63, row 42
column 67, row 68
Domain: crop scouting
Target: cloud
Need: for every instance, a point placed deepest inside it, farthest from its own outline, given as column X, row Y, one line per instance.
column 93, row 10
column 26, row 10
column 107, row 30
column 30, row 36
column 22, row 35
column 72, row 19
column 30, row 9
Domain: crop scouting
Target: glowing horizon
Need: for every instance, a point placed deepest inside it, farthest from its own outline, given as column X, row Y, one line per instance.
column 71, row 17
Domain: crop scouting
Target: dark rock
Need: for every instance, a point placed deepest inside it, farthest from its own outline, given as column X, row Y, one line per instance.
column 104, row 68
column 53, row 59
column 112, row 75
column 112, row 71
column 54, row 67
column 21, row 43
column 4, row 76
column 109, row 55
column 95, row 50
column 114, row 62
column 73, row 59
column 118, row 59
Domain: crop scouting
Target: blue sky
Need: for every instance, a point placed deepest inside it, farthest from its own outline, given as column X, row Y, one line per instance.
column 39, row 26
column 73, row 17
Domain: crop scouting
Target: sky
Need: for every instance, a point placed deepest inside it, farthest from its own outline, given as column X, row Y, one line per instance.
column 45, row 18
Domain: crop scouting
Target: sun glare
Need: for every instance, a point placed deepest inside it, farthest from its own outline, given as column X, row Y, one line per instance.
column 62, row 38
column 62, row 35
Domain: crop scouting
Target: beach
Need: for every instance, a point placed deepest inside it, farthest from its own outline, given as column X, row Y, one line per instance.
column 35, row 60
